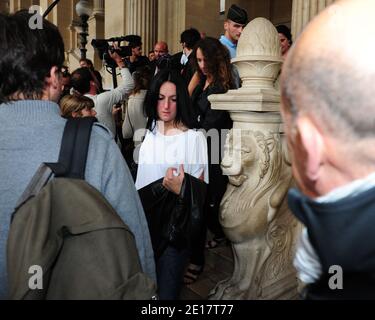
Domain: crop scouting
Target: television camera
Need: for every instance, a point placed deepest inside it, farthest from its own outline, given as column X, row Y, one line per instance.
column 104, row 45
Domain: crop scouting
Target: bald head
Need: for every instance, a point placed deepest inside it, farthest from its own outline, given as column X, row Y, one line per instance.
column 160, row 49
column 330, row 72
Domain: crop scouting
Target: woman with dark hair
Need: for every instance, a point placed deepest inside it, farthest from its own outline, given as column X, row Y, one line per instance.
column 171, row 178
column 285, row 39
column 215, row 76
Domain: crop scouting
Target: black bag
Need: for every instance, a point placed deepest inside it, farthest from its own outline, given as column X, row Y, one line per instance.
column 174, row 220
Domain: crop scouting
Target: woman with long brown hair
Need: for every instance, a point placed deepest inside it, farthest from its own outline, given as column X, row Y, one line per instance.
column 214, row 76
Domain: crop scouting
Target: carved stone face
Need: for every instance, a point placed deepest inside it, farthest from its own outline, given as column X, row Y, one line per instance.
column 239, row 151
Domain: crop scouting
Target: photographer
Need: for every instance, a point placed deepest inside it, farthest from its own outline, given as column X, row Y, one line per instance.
column 136, row 61
column 83, row 82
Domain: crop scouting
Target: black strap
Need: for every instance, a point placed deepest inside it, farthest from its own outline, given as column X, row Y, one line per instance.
column 74, row 149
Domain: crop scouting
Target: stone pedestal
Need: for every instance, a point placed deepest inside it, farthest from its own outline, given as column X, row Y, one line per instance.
column 304, row 11
column 254, row 212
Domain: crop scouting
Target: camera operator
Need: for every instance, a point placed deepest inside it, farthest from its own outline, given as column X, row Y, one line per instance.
column 84, row 62
column 136, row 61
column 83, row 82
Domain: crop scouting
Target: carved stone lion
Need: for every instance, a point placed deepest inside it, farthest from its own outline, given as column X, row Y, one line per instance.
column 255, row 217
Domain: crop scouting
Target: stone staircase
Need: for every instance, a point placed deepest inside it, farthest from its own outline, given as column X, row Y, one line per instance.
column 219, row 266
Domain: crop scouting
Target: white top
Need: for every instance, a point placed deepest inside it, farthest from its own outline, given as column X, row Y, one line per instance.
column 158, row 153
column 134, row 118
column 104, row 102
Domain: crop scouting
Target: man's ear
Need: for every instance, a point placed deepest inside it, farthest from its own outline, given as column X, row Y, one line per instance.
column 313, row 144
column 226, row 22
column 54, row 77
column 53, row 85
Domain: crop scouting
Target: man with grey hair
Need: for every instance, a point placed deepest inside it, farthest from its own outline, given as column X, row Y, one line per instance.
column 328, row 105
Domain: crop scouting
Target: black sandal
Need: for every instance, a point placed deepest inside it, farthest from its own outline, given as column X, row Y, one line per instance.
column 192, row 273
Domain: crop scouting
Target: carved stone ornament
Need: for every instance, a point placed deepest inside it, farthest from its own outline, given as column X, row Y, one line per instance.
column 254, row 211
column 256, row 219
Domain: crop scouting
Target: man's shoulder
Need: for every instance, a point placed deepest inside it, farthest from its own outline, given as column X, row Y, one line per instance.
column 223, row 39
column 226, row 42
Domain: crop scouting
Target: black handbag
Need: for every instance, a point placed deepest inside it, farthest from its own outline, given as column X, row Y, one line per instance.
column 174, row 220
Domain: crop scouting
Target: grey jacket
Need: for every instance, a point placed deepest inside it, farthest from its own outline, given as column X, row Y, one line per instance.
column 30, row 133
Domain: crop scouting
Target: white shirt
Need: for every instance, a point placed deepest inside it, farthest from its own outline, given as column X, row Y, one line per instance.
column 105, row 101
column 158, row 153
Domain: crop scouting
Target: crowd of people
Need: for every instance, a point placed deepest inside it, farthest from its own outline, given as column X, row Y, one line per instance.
column 171, row 195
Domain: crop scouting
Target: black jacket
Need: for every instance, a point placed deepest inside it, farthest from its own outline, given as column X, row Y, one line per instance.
column 208, row 118
column 174, row 220
column 342, row 234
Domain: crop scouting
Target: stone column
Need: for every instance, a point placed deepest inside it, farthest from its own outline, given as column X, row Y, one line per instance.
column 98, row 7
column 15, row 5
column 115, row 26
column 4, row 6
column 96, row 31
column 254, row 211
column 141, row 18
column 303, row 11
column 171, row 22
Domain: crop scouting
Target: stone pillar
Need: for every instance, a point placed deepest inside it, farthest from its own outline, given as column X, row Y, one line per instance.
column 96, row 31
column 115, row 18
column 254, row 211
column 303, row 11
column 98, row 7
column 141, row 20
column 15, row 5
column 171, row 22
column 4, row 6
column 115, row 26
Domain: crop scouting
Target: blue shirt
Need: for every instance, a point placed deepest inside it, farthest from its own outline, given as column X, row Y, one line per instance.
column 232, row 47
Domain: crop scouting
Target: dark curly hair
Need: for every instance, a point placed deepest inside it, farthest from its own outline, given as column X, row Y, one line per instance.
column 217, row 62
column 27, row 56
column 283, row 29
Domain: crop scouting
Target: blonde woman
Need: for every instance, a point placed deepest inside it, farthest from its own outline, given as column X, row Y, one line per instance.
column 77, row 106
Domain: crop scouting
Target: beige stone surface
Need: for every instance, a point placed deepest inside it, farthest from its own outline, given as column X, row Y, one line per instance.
column 4, row 6
column 171, row 22
column 303, row 11
column 142, row 20
column 152, row 19
column 254, row 212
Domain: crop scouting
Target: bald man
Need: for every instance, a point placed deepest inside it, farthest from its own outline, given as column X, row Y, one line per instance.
column 328, row 105
column 160, row 50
